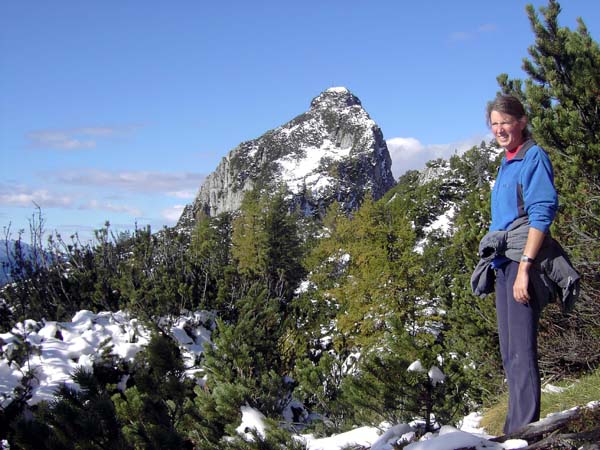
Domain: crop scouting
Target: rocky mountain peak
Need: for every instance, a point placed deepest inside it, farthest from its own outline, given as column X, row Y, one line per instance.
column 332, row 152
column 335, row 97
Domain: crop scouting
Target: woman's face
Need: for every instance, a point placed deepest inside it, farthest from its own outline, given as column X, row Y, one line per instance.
column 507, row 130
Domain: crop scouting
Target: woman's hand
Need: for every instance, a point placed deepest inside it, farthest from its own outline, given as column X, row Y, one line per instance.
column 520, row 288
column 535, row 238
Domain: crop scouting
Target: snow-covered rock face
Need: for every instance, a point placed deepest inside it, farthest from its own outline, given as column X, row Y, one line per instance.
column 334, row 151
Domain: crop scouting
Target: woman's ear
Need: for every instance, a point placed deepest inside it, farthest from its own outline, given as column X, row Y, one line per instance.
column 523, row 122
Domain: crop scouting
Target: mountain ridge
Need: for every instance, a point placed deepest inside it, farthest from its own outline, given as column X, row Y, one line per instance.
column 332, row 152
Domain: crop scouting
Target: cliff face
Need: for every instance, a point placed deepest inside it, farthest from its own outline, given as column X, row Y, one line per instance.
column 334, row 151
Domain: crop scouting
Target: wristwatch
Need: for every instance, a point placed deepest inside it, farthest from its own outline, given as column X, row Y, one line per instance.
column 525, row 258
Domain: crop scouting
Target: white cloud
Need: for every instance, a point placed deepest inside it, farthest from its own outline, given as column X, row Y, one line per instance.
column 172, row 214
column 487, row 28
column 58, row 140
column 108, row 206
column 25, row 197
column 176, row 184
column 74, row 138
column 461, row 36
column 22, row 197
column 410, row 153
column 404, row 148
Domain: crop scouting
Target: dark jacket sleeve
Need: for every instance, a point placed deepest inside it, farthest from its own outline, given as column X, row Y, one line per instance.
column 483, row 278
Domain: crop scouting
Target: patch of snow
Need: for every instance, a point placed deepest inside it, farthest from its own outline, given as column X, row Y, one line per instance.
column 416, row 366
column 551, row 389
column 398, row 433
column 297, row 172
column 181, row 336
column 442, row 222
column 60, row 348
column 304, row 287
column 471, row 424
column 514, row 444
column 364, row 436
column 252, row 419
column 449, row 438
column 436, row 375
column 337, row 89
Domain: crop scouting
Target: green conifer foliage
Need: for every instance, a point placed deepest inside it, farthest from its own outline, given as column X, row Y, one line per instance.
column 274, row 438
column 266, row 245
column 319, row 380
column 471, row 320
column 377, row 316
column 410, row 328
column 387, row 388
column 284, row 252
column 249, row 240
column 153, row 410
column 382, row 276
column 245, row 354
column 471, row 332
column 78, row 418
column 211, row 254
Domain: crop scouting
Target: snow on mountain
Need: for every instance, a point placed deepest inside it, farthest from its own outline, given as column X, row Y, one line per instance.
column 333, row 152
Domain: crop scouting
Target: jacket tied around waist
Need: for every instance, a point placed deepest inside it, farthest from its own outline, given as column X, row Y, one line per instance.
column 552, row 274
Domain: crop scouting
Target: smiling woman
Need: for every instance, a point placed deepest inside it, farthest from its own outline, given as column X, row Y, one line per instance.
column 508, row 121
column 523, row 205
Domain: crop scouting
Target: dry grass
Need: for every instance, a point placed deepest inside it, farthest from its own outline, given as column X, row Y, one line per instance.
column 575, row 393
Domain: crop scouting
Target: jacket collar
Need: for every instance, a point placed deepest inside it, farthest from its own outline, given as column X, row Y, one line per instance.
column 523, row 150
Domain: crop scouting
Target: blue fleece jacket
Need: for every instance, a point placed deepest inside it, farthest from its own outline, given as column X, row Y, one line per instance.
column 525, row 186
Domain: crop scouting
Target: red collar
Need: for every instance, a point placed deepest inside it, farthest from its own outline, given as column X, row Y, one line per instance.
column 511, row 154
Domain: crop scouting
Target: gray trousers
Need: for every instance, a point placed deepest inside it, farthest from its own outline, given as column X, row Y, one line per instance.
column 517, row 329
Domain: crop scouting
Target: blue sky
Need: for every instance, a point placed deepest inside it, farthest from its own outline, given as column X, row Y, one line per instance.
column 117, row 110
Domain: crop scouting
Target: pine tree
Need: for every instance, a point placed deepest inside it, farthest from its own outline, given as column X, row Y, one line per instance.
column 85, row 418
column 284, row 270
column 471, row 321
column 153, row 410
column 245, row 355
column 77, row 418
column 249, row 240
column 387, row 388
column 266, row 245
column 211, row 253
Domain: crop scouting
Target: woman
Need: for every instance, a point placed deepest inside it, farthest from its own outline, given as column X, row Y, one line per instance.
column 524, row 188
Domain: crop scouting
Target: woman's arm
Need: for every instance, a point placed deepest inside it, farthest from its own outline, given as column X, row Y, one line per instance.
column 535, row 238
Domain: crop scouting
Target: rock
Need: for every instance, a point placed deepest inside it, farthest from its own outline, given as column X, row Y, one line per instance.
column 333, row 152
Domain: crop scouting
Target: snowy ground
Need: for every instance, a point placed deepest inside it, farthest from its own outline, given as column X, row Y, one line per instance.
column 58, row 348
column 448, row 438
